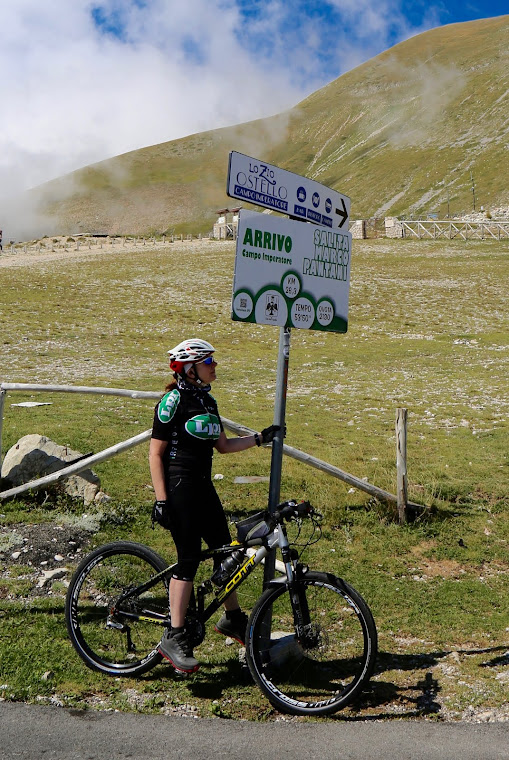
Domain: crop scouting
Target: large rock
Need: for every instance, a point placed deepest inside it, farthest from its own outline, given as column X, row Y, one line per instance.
column 35, row 456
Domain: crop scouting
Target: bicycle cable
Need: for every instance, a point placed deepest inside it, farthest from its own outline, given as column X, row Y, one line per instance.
column 317, row 528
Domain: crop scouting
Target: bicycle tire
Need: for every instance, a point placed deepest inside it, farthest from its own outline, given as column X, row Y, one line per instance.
column 112, row 643
column 324, row 667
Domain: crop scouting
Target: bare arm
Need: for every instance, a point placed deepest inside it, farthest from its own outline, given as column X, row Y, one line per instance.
column 230, row 445
column 155, row 459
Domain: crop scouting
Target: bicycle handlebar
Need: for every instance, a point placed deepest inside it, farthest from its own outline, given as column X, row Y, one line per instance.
column 289, row 510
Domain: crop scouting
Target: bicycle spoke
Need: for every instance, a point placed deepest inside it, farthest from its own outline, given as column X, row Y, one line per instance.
column 106, row 617
column 320, row 667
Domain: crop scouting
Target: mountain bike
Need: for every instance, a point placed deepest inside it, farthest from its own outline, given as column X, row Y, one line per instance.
column 311, row 640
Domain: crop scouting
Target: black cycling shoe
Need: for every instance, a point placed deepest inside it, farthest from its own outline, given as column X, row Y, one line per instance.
column 175, row 648
column 233, row 626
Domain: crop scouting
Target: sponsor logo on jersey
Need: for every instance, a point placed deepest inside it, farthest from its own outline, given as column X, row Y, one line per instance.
column 168, row 406
column 204, row 426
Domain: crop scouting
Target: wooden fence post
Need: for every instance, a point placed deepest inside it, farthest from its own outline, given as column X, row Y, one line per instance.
column 2, row 402
column 401, row 426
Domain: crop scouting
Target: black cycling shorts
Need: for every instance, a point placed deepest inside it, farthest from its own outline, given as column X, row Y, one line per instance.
column 194, row 513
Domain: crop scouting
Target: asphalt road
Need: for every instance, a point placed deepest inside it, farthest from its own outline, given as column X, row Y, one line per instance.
column 29, row 732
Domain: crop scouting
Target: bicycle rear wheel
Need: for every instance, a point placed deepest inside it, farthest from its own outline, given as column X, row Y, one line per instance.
column 112, row 634
column 322, row 667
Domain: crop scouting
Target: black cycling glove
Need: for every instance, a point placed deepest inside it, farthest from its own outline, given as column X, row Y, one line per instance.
column 268, row 433
column 159, row 512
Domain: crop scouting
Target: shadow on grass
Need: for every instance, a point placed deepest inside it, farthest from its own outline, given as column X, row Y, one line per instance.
column 18, row 610
column 419, row 699
column 211, row 680
column 387, row 661
column 502, row 660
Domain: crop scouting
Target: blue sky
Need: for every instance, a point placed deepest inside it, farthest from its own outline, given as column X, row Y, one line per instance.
column 347, row 32
column 84, row 80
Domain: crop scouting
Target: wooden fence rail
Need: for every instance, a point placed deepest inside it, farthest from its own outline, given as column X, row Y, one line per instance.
column 452, row 229
column 88, row 242
column 234, row 427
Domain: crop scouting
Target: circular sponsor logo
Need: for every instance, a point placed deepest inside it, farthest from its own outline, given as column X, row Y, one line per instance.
column 242, row 305
column 271, row 308
column 328, row 205
column 301, row 194
column 303, row 313
column 316, row 200
column 324, row 312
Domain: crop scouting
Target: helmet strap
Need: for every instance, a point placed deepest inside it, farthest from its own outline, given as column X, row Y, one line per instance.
column 196, row 379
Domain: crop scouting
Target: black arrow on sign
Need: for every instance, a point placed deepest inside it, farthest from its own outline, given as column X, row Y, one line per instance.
column 343, row 213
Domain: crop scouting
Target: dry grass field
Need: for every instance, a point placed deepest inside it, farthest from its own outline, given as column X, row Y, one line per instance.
column 428, row 331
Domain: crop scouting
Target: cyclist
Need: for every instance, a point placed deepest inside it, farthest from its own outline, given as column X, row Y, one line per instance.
column 186, row 429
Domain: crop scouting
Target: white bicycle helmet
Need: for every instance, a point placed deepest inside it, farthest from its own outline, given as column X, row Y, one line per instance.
column 187, row 353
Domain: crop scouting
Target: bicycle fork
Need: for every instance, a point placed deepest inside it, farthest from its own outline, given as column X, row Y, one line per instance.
column 297, row 591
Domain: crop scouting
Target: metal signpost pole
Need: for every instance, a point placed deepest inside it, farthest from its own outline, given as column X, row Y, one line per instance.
column 276, row 462
column 277, row 444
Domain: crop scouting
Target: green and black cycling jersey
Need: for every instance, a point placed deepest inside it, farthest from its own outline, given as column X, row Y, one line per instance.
column 188, row 419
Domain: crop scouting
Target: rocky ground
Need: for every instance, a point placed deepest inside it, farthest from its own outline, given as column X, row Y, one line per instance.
column 40, row 554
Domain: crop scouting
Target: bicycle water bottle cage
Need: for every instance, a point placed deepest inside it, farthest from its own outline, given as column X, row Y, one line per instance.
column 253, row 529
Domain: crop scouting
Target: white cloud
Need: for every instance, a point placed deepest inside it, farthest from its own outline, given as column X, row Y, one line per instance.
column 72, row 94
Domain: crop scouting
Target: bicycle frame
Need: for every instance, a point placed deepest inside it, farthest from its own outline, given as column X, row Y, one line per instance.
column 276, row 538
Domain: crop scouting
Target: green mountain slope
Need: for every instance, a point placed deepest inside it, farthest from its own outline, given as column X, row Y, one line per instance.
column 406, row 133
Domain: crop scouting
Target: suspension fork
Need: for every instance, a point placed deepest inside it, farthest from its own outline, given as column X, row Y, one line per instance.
column 296, row 588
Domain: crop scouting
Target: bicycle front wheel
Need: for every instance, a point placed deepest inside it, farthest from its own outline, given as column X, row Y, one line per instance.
column 320, row 665
column 113, row 624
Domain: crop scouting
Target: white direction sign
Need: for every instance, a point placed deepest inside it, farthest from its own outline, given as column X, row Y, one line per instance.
column 250, row 179
column 291, row 274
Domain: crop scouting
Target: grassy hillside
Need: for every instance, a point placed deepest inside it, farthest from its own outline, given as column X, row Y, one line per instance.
column 405, row 133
